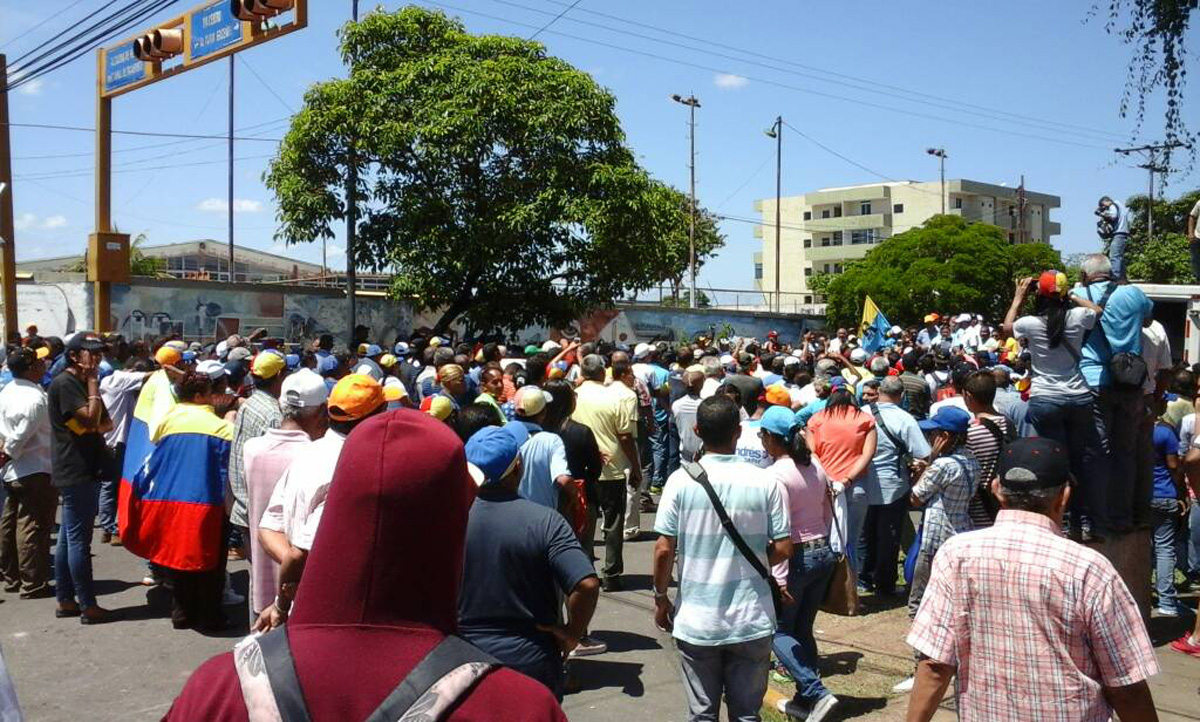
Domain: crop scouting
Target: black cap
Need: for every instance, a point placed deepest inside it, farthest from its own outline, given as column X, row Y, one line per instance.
column 1031, row 464
column 85, row 340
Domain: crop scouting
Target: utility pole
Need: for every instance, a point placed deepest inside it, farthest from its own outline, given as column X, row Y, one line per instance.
column 1021, row 205
column 8, row 265
column 940, row 154
column 692, row 104
column 351, row 223
column 1150, row 152
column 232, row 267
column 776, row 132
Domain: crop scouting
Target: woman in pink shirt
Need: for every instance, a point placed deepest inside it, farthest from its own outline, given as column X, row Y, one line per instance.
column 805, row 576
column 843, row 438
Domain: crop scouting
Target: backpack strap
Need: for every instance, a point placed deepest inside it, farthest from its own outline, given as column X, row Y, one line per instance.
column 436, row 684
column 267, row 674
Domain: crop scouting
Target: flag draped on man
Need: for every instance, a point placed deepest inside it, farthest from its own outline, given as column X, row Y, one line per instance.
column 874, row 327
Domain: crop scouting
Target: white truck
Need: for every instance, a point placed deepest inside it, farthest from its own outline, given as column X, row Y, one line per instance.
column 1177, row 308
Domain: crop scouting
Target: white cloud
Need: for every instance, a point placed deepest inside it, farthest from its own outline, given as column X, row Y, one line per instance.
column 332, row 250
column 33, row 87
column 25, row 221
column 31, row 222
column 728, row 81
column 219, row 205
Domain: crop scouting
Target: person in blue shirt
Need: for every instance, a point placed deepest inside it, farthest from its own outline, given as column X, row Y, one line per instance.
column 1119, row 330
column 823, row 385
column 1167, row 509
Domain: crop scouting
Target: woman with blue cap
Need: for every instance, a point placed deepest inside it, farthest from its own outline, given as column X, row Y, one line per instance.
column 804, row 578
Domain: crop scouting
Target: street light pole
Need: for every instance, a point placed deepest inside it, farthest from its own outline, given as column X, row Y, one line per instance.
column 351, row 224
column 940, row 154
column 776, row 132
column 692, row 104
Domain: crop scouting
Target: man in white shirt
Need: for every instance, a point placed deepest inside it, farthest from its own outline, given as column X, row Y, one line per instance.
column 684, row 413
column 1193, row 237
column 119, row 391
column 713, row 374
column 293, row 515
column 29, row 510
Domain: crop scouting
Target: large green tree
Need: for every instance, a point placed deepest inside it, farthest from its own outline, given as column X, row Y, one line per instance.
column 944, row 265
column 1163, row 259
column 494, row 180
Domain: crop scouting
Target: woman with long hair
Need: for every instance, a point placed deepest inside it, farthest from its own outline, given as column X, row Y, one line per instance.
column 843, row 438
column 185, row 477
column 1061, row 404
column 804, row 578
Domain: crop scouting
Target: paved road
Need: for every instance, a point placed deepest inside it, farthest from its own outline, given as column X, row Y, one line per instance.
column 132, row 669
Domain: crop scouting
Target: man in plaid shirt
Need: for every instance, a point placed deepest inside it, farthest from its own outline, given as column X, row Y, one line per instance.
column 1035, row 626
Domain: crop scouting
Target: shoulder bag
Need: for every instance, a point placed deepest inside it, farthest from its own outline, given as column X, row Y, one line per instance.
column 841, row 596
column 698, row 473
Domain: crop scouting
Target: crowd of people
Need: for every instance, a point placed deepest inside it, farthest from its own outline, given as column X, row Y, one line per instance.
column 388, row 497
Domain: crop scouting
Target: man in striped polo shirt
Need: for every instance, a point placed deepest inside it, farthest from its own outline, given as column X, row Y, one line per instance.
column 725, row 618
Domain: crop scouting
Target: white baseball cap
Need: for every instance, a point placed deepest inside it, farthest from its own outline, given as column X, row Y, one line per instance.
column 303, row 389
column 641, row 350
column 212, row 369
column 858, row 356
column 551, row 346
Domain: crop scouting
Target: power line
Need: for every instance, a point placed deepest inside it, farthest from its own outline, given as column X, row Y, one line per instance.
column 47, row 19
column 152, row 134
column 954, row 105
column 554, row 19
column 266, row 85
column 148, row 146
column 774, row 83
column 65, row 30
column 87, row 172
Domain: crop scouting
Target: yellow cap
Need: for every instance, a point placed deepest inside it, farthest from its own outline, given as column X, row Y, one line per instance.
column 354, row 397
column 43, row 352
column 267, row 365
column 387, row 360
column 168, row 356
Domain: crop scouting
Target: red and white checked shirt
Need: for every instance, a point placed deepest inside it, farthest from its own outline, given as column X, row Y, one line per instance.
column 1036, row 624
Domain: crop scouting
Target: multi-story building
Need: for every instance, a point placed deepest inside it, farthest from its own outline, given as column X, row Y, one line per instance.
column 823, row 231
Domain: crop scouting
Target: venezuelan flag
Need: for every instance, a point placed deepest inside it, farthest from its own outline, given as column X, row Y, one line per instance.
column 173, row 484
column 874, row 327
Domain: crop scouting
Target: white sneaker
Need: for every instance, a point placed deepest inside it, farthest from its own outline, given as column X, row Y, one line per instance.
column 588, row 647
column 906, row 686
column 822, row 708
column 794, row 710
column 631, row 534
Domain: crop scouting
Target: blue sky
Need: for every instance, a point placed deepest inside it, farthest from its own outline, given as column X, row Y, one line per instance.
column 1035, row 59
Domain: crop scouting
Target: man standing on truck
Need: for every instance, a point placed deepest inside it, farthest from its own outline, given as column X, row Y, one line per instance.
column 1193, row 236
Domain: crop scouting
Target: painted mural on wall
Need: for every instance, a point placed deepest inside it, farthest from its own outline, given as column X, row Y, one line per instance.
column 55, row 308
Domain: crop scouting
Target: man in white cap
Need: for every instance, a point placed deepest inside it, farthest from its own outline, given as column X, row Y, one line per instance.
column 302, row 400
column 856, row 372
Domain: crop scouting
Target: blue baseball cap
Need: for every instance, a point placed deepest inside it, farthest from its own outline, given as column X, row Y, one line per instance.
column 948, row 418
column 837, row 381
column 327, row 364
column 779, row 420
column 494, row 449
column 373, row 351
column 400, row 349
column 292, row 360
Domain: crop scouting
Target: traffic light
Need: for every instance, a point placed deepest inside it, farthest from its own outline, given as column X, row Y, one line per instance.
column 255, row 10
column 159, row 44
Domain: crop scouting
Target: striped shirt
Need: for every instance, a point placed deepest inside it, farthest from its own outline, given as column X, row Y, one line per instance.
column 258, row 413
column 946, row 489
column 985, row 445
column 722, row 600
column 1036, row 624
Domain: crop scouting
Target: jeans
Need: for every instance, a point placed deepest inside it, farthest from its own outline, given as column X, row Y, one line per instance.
column 611, row 496
column 884, row 523
column 1116, row 254
column 1166, row 528
column 658, row 454
column 73, row 554
column 920, row 580
column 794, row 645
column 1193, row 545
column 737, row 671
column 1077, row 425
column 856, row 506
column 1194, row 253
column 1121, row 412
column 1143, row 485
column 109, row 489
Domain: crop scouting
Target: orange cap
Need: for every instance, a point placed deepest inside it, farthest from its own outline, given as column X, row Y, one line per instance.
column 354, row 397
column 777, row 395
column 168, row 356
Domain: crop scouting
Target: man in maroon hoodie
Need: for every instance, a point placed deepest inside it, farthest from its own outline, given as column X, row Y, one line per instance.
column 380, row 589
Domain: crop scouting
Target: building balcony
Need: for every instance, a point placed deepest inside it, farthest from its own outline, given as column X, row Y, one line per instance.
column 848, row 223
column 837, row 253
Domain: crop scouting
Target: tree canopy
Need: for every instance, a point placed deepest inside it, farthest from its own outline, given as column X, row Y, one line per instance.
column 1165, row 258
column 494, row 180
column 945, row 265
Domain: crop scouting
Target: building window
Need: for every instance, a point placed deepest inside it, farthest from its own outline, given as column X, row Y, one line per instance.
column 808, row 271
column 808, row 299
column 837, row 238
column 837, row 211
column 958, row 202
column 897, row 208
column 825, row 242
column 758, row 271
column 837, row 268
column 827, row 268
column 808, row 215
column 858, row 238
column 825, row 213
column 1011, row 238
column 864, row 209
column 808, row 243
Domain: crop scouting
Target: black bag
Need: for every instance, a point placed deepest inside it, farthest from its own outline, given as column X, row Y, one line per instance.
column 698, row 473
column 416, row 693
column 1003, row 438
column 1128, row 371
column 898, row 443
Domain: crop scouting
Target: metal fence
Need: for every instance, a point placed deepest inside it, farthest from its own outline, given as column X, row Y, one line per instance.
column 738, row 299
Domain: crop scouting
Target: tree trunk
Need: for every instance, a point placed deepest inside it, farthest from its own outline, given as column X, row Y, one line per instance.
column 452, row 312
